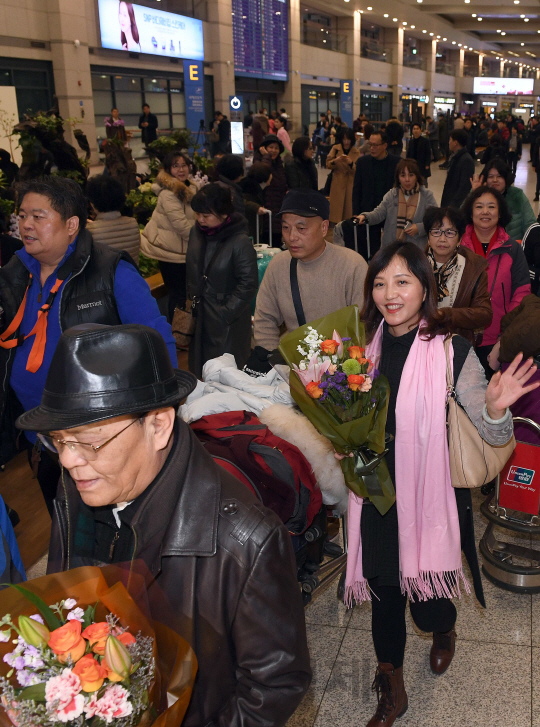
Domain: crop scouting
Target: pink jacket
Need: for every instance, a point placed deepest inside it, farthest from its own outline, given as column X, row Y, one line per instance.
column 508, row 279
column 283, row 136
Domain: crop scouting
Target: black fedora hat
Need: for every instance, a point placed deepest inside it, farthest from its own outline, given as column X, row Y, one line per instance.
column 98, row 372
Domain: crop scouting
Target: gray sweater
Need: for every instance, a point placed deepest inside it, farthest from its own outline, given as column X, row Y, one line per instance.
column 333, row 281
column 387, row 212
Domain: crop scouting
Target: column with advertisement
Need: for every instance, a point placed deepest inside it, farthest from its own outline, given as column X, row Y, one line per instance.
column 347, row 102
column 194, row 93
column 236, row 111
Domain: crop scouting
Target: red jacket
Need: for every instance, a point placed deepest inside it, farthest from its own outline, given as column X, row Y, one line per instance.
column 508, row 278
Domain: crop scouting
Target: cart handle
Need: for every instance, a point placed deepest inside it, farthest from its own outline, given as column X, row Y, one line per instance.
column 525, row 420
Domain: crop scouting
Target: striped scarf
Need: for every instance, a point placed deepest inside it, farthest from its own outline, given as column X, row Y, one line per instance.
column 406, row 210
column 443, row 273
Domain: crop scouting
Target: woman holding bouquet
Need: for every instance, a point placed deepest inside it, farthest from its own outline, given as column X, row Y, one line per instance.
column 413, row 552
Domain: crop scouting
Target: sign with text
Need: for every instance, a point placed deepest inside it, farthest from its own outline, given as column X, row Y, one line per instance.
column 194, row 94
column 520, row 480
column 130, row 27
column 261, row 38
column 347, row 102
column 503, row 86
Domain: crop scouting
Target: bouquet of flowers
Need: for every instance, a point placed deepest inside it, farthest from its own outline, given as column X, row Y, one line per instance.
column 343, row 395
column 69, row 667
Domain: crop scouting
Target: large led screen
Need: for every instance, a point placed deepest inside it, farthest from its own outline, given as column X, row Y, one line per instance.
column 504, row 86
column 261, row 38
column 130, row 27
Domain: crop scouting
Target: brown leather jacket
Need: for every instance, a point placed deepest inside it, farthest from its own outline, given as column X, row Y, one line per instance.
column 224, row 576
column 472, row 308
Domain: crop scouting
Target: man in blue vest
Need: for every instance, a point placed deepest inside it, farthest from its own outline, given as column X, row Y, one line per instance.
column 60, row 279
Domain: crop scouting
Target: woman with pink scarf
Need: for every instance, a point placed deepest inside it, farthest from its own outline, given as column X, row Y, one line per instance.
column 413, row 552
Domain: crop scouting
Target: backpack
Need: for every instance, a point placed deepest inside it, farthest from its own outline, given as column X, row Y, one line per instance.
column 531, row 248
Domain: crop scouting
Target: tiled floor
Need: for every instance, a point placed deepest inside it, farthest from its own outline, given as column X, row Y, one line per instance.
column 494, row 679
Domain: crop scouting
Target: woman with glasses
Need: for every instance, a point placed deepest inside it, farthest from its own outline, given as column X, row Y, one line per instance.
column 498, row 175
column 403, row 207
column 487, row 216
column 460, row 274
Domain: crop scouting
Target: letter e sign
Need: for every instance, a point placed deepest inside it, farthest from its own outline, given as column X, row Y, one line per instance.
column 346, row 87
column 194, row 73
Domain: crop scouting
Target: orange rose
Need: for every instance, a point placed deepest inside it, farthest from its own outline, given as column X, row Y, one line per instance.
column 356, row 351
column 126, row 638
column 313, row 390
column 68, row 642
column 97, row 635
column 91, row 673
column 355, row 381
column 363, row 361
column 329, row 347
column 112, row 676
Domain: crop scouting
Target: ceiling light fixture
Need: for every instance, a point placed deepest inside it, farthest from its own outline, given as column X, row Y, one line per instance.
column 479, row 19
column 395, row 20
column 445, row 38
column 526, row 20
column 503, row 33
column 523, row 44
column 413, row 26
column 425, row 31
column 369, row 7
column 386, row 15
column 459, row 44
column 521, row 16
column 438, row 37
column 474, row 15
column 431, row 34
column 454, row 42
column 500, row 31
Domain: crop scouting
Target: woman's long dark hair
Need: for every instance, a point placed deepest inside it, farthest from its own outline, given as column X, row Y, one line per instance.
column 134, row 29
column 418, row 264
column 300, row 146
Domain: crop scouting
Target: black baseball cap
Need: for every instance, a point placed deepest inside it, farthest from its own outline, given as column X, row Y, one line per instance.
column 305, row 202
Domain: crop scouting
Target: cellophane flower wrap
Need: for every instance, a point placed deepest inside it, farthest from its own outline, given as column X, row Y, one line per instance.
column 343, row 396
column 76, row 650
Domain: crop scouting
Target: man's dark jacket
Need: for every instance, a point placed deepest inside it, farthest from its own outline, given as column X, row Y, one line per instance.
column 87, row 297
column 364, row 198
column 148, row 133
column 458, row 179
column 224, row 133
column 420, row 150
column 222, row 573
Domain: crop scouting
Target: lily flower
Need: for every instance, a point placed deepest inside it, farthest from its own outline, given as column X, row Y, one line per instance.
column 314, row 371
column 337, row 338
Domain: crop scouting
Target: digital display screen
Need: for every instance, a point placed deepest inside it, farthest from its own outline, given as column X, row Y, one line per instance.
column 130, row 27
column 261, row 38
column 237, row 137
column 504, row 86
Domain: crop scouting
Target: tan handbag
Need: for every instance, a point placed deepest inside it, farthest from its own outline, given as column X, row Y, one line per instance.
column 183, row 326
column 473, row 462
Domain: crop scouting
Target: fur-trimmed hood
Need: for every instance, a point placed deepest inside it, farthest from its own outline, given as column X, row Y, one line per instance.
column 167, row 181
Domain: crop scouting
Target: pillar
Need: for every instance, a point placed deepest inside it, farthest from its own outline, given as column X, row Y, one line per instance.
column 221, row 52
column 520, row 71
column 71, row 67
column 430, row 76
column 459, row 76
column 502, row 68
column 394, row 41
column 291, row 98
column 351, row 26
column 480, row 63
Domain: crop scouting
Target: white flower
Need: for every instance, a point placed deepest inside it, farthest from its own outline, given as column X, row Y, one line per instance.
column 303, row 366
column 70, row 603
column 4, row 636
column 38, row 618
column 76, row 615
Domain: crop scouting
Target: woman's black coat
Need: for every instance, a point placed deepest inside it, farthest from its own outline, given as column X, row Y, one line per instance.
column 223, row 322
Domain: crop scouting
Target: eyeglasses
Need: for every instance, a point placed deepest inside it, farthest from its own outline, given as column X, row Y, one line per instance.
column 89, row 452
column 447, row 233
column 374, row 144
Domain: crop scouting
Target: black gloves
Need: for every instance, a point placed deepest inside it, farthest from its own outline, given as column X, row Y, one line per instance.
column 258, row 363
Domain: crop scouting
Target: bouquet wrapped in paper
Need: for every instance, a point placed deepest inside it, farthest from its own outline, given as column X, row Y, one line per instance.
column 343, row 395
column 78, row 651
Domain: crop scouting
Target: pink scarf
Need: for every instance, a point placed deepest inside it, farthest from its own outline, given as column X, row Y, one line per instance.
column 429, row 536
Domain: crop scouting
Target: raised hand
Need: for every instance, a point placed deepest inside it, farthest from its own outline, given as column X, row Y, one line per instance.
column 506, row 388
column 476, row 181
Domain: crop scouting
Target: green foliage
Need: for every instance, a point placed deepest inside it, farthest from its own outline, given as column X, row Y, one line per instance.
column 142, row 202
column 147, row 266
column 49, row 617
column 202, row 164
column 71, row 174
column 7, row 206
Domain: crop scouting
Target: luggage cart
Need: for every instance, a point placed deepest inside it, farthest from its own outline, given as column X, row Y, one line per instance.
column 515, row 506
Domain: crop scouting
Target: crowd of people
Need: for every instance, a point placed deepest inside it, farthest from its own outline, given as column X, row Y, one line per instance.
column 90, row 362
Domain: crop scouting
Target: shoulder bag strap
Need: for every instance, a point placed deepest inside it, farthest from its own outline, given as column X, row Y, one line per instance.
column 449, row 377
column 295, row 292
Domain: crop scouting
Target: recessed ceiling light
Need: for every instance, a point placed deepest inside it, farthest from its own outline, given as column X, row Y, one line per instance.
column 526, row 20
column 445, row 38
column 395, row 20
column 521, row 16
column 425, row 31
column 474, row 15
column 500, row 31
column 369, row 7
column 404, row 22
column 479, row 19
column 523, row 44
column 413, row 26
column 459, row 44
column 431, row 34
column 516, row 2
column 503, row 33
column 454, row 42
column 386, row 15
column 438, row 37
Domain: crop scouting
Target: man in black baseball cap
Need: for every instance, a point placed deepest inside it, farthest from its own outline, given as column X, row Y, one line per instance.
column 138, row 487
column 311, row 279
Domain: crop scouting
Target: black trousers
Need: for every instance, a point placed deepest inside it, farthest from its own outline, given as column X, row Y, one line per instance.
column 48, row 473
column 483, row 352
column 434, row 143
column 512, row 159
column 174, row 277
column 388, row 621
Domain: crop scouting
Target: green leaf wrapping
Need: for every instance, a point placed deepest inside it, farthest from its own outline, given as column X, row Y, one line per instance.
column 36, row 693
column 346, row 437
column 50, row 618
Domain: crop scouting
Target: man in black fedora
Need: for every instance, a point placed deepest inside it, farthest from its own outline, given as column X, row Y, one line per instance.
column 138, row 486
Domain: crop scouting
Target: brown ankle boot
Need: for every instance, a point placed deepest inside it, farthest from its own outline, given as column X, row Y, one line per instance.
column 393, row 703
column 442, row 651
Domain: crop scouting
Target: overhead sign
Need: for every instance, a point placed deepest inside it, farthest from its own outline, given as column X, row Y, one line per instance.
column 346, row 87
column 504, row 86
column 235, row 103
column 409, row 96
column 445, row 99
column 194, row 93
column 261, row 38
column 130, row 27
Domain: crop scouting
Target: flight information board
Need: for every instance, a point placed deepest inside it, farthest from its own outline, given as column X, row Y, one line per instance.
column 261, row 38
